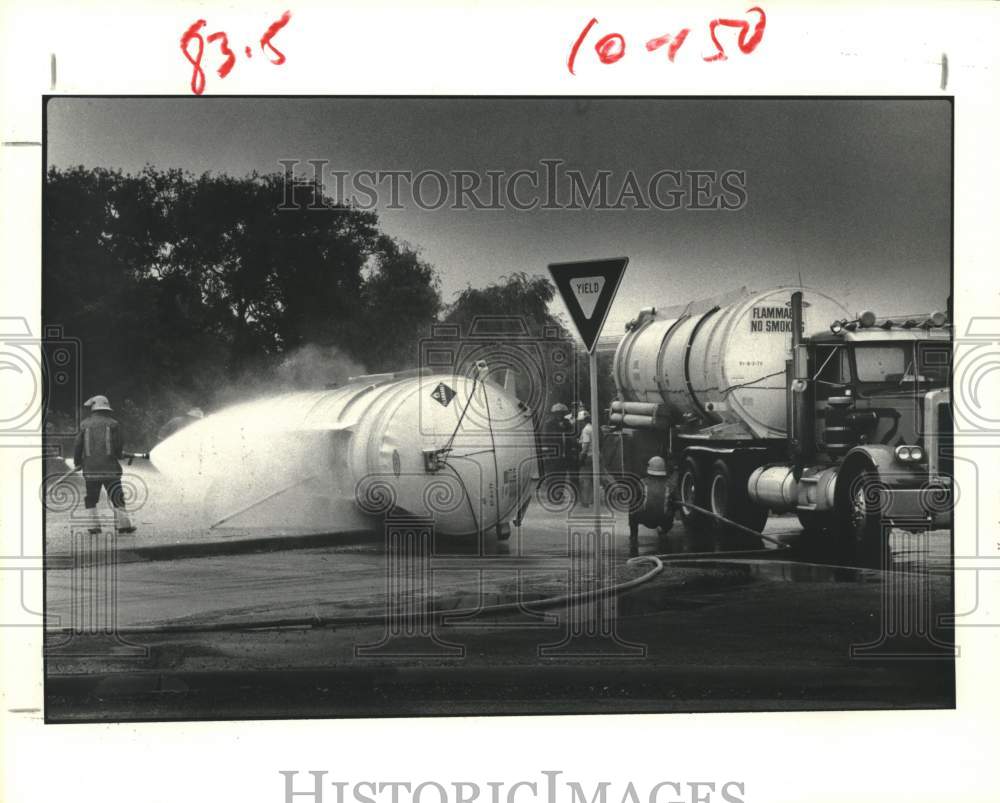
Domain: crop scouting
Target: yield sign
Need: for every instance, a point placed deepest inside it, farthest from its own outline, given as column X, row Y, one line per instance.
column 587, row 290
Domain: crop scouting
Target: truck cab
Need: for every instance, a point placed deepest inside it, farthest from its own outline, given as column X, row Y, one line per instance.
column 881, row 402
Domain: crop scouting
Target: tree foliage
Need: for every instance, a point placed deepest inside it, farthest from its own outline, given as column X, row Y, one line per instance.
column 515, row 313
column 519, row 304
column 187, row 290
column 402, row 296
column 178, row 286
column 516, row 295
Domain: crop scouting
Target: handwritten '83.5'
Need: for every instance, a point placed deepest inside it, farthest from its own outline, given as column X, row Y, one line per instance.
column 193, row 40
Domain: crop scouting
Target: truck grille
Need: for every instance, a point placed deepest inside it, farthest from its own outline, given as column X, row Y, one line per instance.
column 945, row 440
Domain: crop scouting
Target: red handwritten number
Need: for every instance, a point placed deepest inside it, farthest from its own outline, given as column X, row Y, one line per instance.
column 609, row 48
column 675, row 42
column 606, row 48
column 227, row 65
column 265, row 40
column 576, row 45
column 192, row 33
column 750, row 45
column 746, row 45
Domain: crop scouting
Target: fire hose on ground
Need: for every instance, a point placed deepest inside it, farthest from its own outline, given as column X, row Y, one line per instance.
column 267, row 497
column 317, row 621
column 734, row 524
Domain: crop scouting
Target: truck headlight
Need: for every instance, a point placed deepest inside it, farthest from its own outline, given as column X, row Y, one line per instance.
column 909, row 454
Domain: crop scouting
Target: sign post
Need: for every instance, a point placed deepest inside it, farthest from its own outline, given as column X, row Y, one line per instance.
column 595, row 435
column 587, row 289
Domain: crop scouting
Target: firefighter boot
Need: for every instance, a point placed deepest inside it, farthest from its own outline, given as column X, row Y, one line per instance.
column 93, row 521
column 123, row 524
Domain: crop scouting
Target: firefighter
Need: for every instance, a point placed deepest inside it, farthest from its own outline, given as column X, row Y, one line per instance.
column 572, row 431
column 97, row 451
column 573, row 418
column 584, row 452
column 555, row 432
column 178, row 422
column 658, row 501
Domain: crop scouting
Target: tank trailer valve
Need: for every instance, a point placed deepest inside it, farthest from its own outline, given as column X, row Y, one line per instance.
column 434, row 459
column 482, row 370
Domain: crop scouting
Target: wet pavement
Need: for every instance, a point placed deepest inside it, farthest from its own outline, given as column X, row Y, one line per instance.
column 358, row 625
column 247, row 576
column 725, row 634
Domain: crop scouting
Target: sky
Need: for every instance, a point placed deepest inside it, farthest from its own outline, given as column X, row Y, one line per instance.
column 853, row 196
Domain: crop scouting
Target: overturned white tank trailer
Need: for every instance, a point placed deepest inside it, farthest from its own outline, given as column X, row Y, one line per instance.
column 457, row 449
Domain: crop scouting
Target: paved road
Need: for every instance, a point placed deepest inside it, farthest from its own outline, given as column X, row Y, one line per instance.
column 349, row 576
column 714, row 634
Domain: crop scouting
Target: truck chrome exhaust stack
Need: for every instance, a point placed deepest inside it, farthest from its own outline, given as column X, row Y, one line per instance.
column 801, row 444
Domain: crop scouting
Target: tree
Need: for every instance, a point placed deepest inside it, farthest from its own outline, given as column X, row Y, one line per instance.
column 401, row 298
column 276, row 276
column 516, row 296
column 180, row 287
column 513, row 316
column 520, row 302
column 103, row 237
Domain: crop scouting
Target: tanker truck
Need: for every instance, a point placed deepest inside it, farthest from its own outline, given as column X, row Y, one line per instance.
column 780, row 401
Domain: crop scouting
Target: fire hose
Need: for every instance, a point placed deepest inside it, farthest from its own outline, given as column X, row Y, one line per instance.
column 267, row 497
column 130, row 456
column 734, row 524
column 317, row 621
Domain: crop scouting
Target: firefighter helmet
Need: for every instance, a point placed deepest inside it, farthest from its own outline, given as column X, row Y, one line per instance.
column 98, row 403
column 559, row 407
column 656, row 467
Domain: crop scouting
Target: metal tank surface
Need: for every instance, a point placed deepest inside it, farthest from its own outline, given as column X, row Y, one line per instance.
column 721, row 359
column 458, row 449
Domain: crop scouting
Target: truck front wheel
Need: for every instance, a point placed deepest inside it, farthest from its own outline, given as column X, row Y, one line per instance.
column 860, row 521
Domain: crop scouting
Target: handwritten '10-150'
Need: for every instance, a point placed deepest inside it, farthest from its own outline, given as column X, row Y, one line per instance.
column 611, row 47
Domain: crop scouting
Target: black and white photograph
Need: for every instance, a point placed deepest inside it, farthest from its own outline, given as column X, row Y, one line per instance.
column 384, row 406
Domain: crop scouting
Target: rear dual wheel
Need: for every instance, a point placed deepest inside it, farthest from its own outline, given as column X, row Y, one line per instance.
column 722, row 488
column 693, row 490
column 728, row 497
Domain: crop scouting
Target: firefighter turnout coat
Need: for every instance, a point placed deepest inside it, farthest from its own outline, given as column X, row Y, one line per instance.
column 99, row 446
